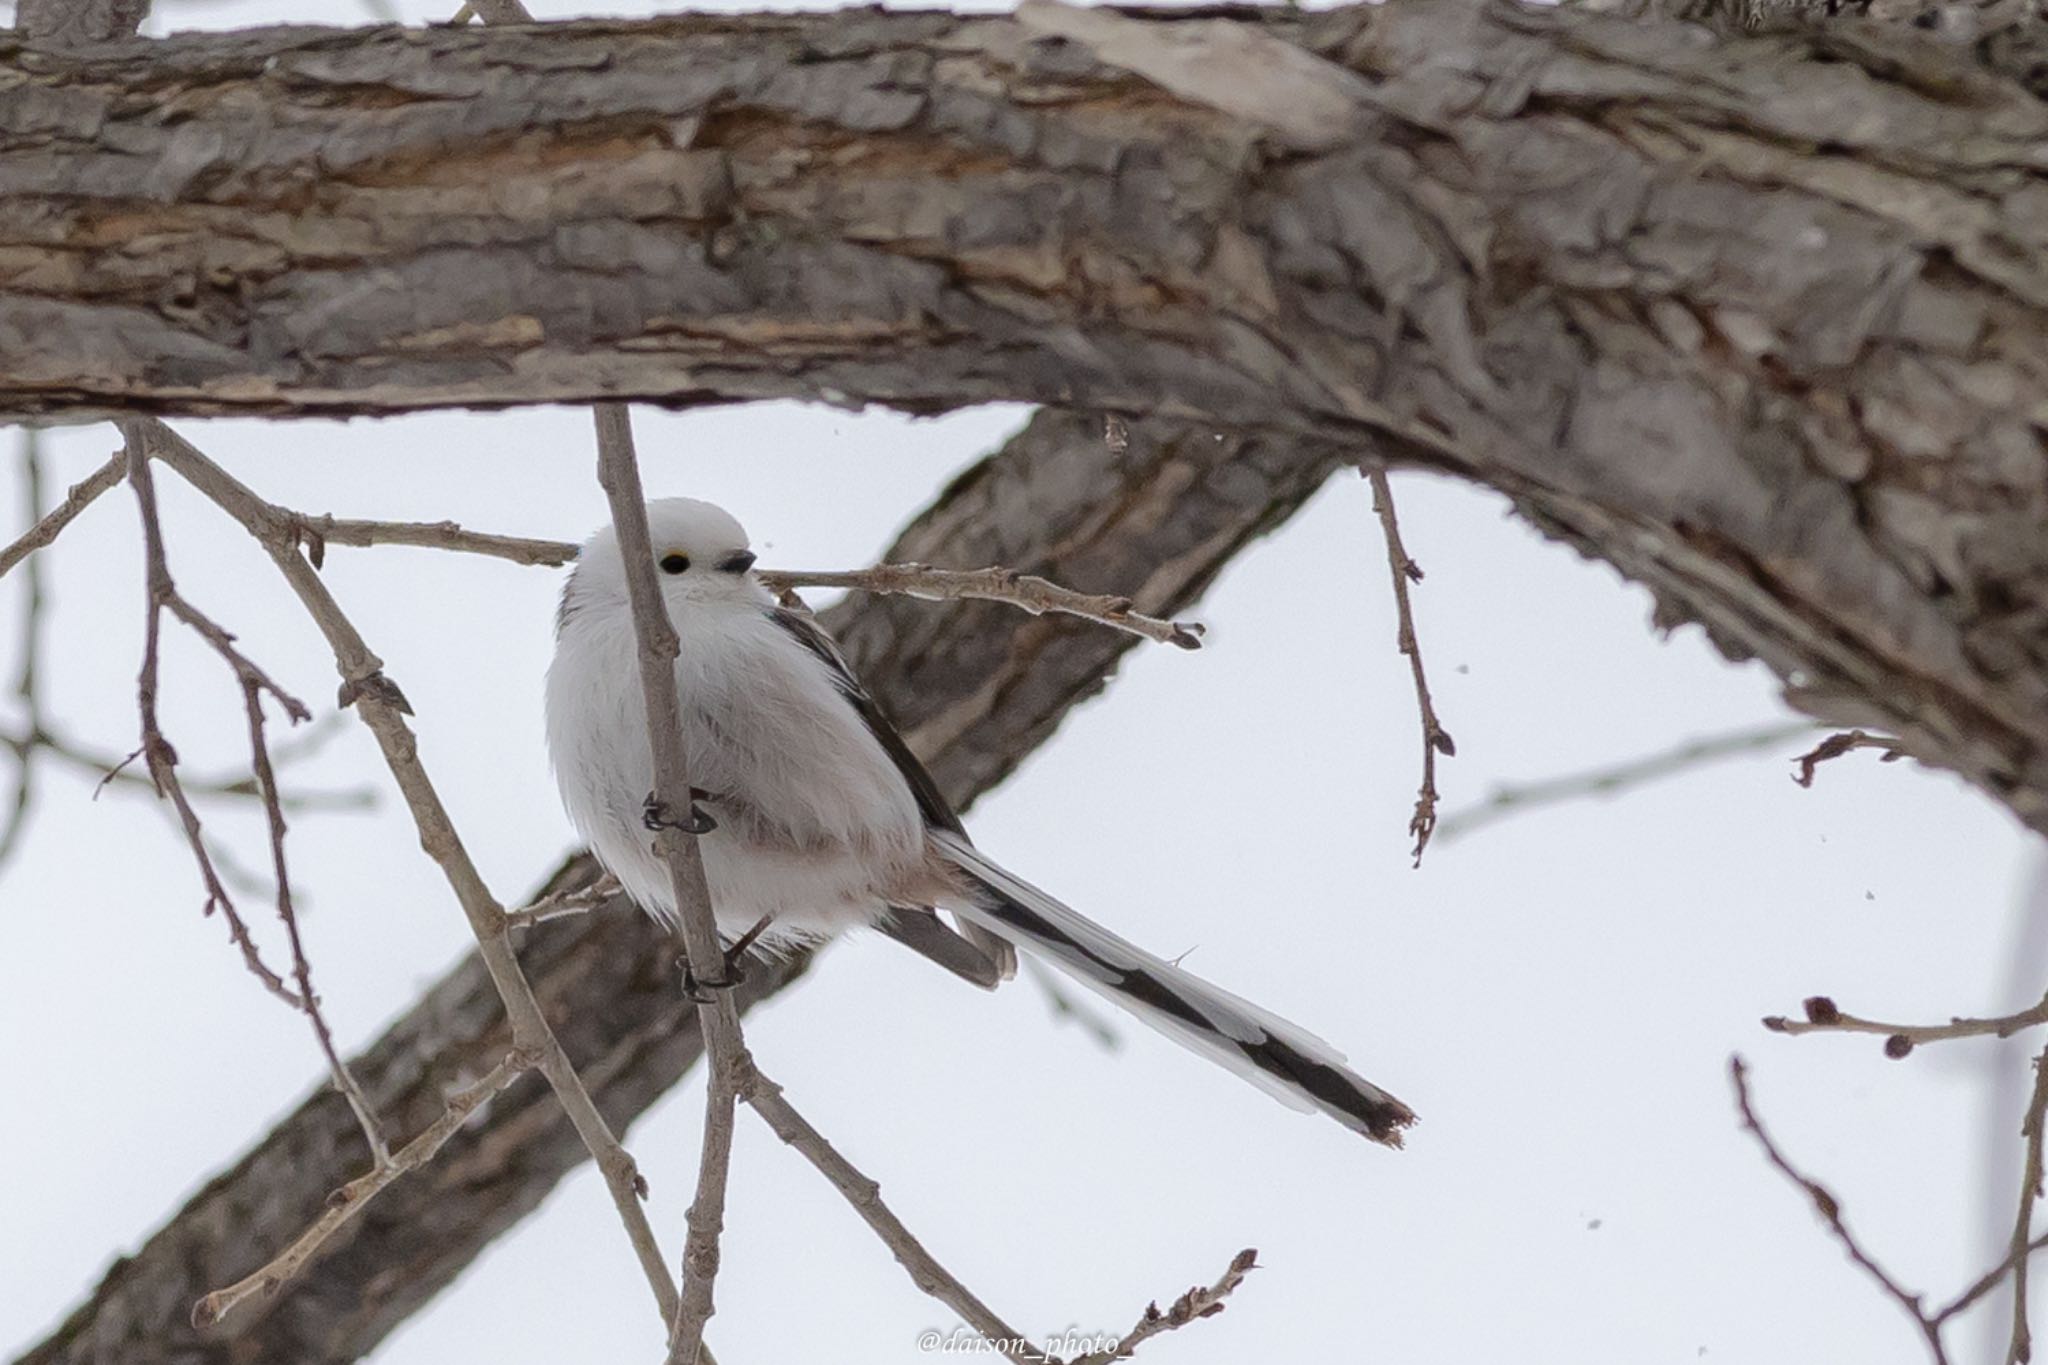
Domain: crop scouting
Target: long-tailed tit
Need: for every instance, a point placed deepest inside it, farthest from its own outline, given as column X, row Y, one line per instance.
column 825, row 820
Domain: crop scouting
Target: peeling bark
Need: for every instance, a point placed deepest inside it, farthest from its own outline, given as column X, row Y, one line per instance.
column 1759, row 320
column 976, row 686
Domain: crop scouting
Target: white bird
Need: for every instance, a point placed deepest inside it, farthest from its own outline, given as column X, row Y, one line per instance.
column 823, row 820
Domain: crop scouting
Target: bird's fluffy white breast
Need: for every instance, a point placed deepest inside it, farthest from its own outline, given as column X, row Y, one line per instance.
column 827, row 817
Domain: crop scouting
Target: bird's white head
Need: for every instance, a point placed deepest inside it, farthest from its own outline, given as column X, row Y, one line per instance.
column 700, row 557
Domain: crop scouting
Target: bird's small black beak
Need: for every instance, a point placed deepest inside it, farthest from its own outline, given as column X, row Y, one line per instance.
column 737, row 562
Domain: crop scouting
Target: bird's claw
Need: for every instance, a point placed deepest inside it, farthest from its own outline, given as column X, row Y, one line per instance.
column 701, row 992
column 655, row 815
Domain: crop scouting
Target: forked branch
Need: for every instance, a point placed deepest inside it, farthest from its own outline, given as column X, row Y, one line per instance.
column 383, row 709
column 162, row 760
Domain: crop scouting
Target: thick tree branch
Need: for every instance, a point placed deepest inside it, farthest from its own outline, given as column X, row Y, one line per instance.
column 1592, row 261
column 976, row 686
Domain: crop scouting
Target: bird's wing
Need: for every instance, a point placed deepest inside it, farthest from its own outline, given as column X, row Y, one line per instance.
column 931, row 802
column 974, row 953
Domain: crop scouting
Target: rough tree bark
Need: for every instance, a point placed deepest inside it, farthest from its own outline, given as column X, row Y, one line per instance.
column 976, row 687
column 1760, row 320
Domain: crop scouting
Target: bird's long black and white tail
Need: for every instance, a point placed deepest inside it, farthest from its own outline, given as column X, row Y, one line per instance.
column 1287, row 1062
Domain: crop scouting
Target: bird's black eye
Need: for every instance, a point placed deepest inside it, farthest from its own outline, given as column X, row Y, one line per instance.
column 739, row 561
column 674, row 563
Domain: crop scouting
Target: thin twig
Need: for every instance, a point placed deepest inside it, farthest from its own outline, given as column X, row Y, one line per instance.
column 1988, row 1281
column 696, row 927
column 1830, row 1210
column 1435, row 739
column 563, row 904
column 1834, row 746
column 1519, row 799
column 158, row 755
column 1823, row 1016
column 162, row 762
column 1198, row 1302
column 383, row 709
column 2021, row 1348
column 318, row 532
column 302, row 971
column 351, row 1199
column 81, row 495
column 1027, row 592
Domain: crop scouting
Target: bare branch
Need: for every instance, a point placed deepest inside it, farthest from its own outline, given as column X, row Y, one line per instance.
column 697, row 928
column 2021, row 1348
column 302, row 971
column 1435, row 739
column 1614, row 780
column 162, row 762
column 561, row 904
column 1823, row 1016
column 1198, row 1302
column 351, row 1199
column 866, row 1198
column 383, row 708
column 1025, row 591
column 64, row 513
column 158, row 755
column 1988, row 1281
column 318, row 532
column 1830, row 1210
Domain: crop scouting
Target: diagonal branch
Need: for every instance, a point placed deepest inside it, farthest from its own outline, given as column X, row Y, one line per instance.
column 353, row 1199
column 64, row 513
column 1614, row 779
column 925, row 1271
column 1027, row 591
column 383, row 709
column 1830, row 1210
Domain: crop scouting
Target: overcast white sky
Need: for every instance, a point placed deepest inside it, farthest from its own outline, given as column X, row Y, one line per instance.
column 1557, row 995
